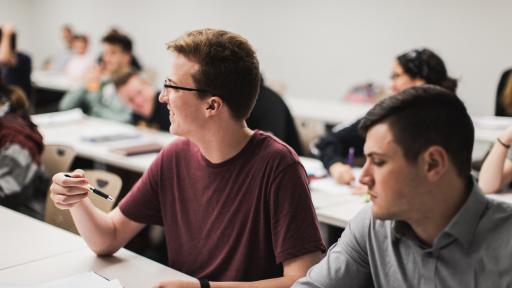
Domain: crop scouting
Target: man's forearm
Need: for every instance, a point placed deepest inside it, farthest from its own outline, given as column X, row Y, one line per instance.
column 95, row 227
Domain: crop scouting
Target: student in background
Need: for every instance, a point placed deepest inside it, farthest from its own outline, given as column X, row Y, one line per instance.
column 58, row 62
column 503, row 105
column 496, row 170
column 429, row 225
column 138, row 93
column 15, row 66
column 271, row 114
column 80, row 62
column 21, row 147
column 234, row 203
column 134, row 62
column 98, row 97
column 413, row 68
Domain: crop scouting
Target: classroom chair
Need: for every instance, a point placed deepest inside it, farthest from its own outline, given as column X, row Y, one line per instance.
column 105, row 181
column 57, row 158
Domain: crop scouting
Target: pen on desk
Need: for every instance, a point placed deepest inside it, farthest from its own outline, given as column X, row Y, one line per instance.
column 350, row 156
column 95, row 191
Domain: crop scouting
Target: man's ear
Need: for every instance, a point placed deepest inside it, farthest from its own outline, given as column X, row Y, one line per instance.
column 214, row 104
column 436, row 162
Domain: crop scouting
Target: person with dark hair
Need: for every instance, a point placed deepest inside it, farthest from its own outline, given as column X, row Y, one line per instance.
column 503, row 105
column 429, row 224
column 15, row 66
column 234, row 203
column 271, row 114
column 21, row 146
column 413, row 68
column 98, row 97
column 134, row 62
column 138, row 93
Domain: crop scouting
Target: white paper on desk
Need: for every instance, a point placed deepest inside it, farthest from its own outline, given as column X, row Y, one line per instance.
column 329, row 185
column 83, row 280
column 61, row 117
column 313, row 167
column 505, row 197
column 108, row 134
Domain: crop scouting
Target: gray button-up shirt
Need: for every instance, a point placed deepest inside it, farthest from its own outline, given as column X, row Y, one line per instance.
column 474, row 250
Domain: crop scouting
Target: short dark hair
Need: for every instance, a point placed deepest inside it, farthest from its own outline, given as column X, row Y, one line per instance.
column 120, row 40
column 427, row 65
column 423, row 116
column 228, row 67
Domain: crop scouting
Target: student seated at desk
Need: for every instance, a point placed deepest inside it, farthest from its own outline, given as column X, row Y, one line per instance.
column 99, row 98
column 234, row 203
column 496, row 170
column 416, row 67
column 138, row 93
column 429, row 225
column 21, row 147
column 80, row 62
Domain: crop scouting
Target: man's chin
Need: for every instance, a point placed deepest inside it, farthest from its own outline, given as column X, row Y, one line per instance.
column 379, row 214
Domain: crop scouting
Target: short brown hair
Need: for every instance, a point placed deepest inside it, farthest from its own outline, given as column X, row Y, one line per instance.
column 228, row 67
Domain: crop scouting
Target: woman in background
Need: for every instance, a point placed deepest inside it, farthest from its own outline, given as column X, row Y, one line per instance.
column 338, row 148
column 503, row 106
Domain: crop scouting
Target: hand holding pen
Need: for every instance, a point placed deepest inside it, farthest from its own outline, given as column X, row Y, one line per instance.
column 66, row 192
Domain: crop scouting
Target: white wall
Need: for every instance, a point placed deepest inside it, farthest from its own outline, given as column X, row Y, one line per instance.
column 318, row 48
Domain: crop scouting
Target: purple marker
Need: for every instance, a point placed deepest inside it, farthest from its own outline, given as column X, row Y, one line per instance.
column 350, row 156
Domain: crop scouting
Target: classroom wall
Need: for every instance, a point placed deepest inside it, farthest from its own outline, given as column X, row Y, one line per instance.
column 317, row 48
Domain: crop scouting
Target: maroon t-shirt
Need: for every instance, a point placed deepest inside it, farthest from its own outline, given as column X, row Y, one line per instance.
column 232, row 221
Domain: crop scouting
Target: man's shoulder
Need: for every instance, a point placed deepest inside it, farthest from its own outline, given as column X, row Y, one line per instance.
column 272, row 147
column 498, row 216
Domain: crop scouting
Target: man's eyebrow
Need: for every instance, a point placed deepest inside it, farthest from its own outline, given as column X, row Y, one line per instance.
column 373, row 153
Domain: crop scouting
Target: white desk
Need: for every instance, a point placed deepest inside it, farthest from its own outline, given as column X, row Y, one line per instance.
column 327, row 111
column 42, row 253
column 24, row 239
column 72, row 132
column 53, row 80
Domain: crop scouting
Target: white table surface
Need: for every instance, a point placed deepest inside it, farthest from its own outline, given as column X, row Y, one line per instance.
column 72, row 132
column 130, row 269
column 53, row 80
column 328, row 111
column 24, row 239
column 33, row 252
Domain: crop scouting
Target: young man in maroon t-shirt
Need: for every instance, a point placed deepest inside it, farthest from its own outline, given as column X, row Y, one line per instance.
column 234, row 203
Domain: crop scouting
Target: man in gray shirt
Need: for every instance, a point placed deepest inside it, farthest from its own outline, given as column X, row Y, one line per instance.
column 429, row 225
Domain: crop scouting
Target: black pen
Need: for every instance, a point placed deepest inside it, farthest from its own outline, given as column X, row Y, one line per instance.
column 95, row 191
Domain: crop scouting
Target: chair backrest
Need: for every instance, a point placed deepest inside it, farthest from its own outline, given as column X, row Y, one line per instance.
column 105, row 181
column 309, row 131
column 57, row 158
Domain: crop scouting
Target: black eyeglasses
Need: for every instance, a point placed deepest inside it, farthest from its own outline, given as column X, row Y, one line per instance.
column 167, row 84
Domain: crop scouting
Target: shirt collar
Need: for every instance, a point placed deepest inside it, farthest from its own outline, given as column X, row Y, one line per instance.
column 464, row 223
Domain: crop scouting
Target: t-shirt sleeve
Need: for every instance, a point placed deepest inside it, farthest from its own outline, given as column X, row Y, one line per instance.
column 346, row 261
column 293, row 219
column 142, row 203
